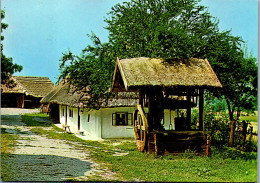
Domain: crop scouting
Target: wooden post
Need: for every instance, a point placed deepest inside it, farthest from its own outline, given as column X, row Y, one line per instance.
column 201, row 110
column 188, row 110
column 151, row 111
column 66, row 115
column 141, row 97
column 20, row 101
column 232, row 133
column 78, row 119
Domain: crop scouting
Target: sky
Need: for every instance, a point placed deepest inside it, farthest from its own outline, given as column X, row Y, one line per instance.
column 39, row 31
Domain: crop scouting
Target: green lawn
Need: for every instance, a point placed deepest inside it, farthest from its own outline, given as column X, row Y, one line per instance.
column 187, row 167
column 249, row 118
column 226, row 165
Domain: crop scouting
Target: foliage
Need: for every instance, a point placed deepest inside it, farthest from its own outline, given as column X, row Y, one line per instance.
column 234, row 154
column 164, row 29
column 93, row 69
column 36, row 119
column 8, row 68
column 215, row 104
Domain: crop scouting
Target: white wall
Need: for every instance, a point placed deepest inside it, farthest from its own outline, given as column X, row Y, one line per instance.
column 99, row 125
column 72, row 121
column 62, row 118
column 110, row 131
column 90, row 123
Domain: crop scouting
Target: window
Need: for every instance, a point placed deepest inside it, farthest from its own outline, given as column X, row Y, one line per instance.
column 121, row 119
column 71, row 113
column 88, row 118
column 63, row 112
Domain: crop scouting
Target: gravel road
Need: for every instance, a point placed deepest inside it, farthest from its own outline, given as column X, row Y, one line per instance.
column 37, row 158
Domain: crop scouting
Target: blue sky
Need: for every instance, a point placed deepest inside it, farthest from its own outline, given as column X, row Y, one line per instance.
column 40, row 30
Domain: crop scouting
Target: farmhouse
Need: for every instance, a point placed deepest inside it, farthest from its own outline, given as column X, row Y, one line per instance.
column 173, row 85
column 112, row 120
column 27, row 93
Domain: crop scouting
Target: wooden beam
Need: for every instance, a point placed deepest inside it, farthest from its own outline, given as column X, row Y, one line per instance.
column 201, row 110
column 188, row 110
column 141, row 97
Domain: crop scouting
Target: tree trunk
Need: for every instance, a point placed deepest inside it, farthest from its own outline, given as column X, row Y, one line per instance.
column 238, row 113
column 232, row 123
column 232, row 133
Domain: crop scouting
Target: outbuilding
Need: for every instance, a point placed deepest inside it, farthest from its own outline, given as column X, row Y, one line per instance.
column 27, row 92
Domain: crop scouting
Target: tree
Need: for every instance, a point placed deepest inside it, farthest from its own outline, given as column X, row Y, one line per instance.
column 93, row 68
column 168, row 29
column 237, row 71
column 8, row 68
column 140, row 28
column 160, row 28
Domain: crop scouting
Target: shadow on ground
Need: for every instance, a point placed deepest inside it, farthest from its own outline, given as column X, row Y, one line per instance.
column 43, row 167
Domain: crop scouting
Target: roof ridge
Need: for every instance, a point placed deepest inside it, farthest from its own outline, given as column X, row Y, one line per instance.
column 61, row 86
column 23, row 88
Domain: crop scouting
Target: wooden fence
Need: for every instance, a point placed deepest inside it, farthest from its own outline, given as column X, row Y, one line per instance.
column 243, row 133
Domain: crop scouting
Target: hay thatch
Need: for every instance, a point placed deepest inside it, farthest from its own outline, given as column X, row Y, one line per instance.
column 65, row 94
column 29, row 85
column 142, row 72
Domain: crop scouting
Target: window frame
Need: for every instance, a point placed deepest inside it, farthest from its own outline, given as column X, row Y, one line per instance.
column 88, row 118
column 127, row 121
column 71, row 113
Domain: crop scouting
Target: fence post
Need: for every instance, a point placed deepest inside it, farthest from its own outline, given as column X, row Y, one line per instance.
column 244, row 132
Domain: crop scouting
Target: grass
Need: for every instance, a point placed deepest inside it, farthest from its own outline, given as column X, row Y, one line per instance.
column 8, row 142
column 188, row 168
column 36, row 119
column 227, row 165
column 249, row 118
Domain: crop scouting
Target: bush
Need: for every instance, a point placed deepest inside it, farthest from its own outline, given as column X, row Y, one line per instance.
column 233, row 153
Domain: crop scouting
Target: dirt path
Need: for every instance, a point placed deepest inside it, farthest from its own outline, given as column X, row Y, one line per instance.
column 37, row 158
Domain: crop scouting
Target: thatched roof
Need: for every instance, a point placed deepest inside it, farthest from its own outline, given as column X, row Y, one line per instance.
column 65, row 94
column 30, row 85
column 134, row 73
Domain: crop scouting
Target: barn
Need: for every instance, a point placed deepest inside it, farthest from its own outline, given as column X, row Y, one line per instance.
column 27, row 92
